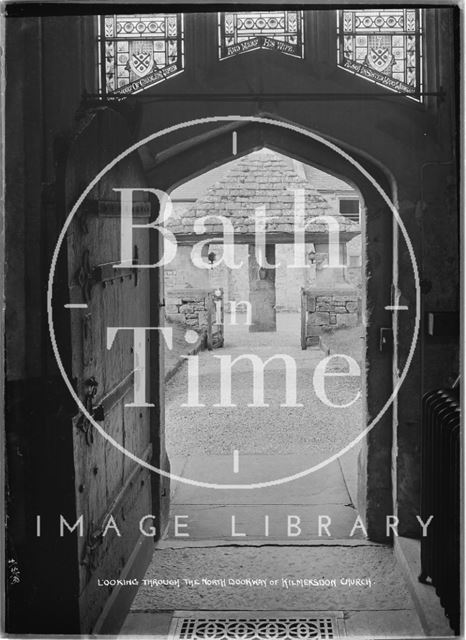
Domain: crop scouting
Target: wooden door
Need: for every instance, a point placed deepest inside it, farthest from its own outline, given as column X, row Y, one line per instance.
column 113, row 493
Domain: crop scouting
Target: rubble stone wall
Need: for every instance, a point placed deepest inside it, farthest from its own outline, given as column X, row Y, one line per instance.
column 188, row 307
column 332, row 309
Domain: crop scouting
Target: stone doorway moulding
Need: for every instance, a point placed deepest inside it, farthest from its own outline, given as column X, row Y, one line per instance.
column 201, row 151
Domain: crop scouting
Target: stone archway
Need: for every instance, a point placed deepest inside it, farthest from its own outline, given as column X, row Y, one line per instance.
column 197, row 154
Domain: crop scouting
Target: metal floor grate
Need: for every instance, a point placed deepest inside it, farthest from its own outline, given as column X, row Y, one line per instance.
column 252, row 625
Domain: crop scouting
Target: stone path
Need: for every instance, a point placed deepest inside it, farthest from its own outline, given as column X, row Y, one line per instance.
column 353, row 576
column 273, row 443
column 265, row 513
column 314, row 428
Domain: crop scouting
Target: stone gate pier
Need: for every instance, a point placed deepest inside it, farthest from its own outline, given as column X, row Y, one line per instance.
column 333, row 303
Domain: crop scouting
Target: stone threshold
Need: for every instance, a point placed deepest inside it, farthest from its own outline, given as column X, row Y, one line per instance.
column 170, row 543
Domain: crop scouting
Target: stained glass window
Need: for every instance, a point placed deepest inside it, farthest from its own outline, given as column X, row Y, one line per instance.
column 240, row 32
column 384, row 46
column 138, row 51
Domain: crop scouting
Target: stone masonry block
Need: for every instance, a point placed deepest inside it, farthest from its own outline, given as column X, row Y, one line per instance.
column 333, row 318
column 351, row 306
column 322, row 318
column 186, row 308
column 347, row 319
column 311, row 304
column 323, row 306
column 202, row 318
column 190, row 299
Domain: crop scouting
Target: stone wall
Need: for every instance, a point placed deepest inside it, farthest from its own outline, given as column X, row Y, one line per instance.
column 234, row 282
column 188, row 306
column 180, row 272
column 331, row 309
column 198, row 309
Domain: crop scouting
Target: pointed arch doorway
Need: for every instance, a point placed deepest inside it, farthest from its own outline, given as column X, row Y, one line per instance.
column 194, row 153
column 202, row 151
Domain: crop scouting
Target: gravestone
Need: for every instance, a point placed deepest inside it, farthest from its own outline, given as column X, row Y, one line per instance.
column 262, row 294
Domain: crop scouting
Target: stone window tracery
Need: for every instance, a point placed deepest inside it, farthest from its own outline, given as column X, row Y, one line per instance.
column 138, row 51
column 383, row 46
column 243, row 31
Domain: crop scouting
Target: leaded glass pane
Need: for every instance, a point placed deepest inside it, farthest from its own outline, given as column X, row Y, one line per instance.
column 384, row 46
column 243, row 31
column 138, row 51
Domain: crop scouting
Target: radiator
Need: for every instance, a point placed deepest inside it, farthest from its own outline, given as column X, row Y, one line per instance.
column 440, row 497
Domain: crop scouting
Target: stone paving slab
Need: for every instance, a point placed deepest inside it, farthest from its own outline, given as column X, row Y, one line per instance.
column 387, row 590
column 207, row 522
column 179, row 543
column 383, row 624
column 156, row 625
column 324, row 486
